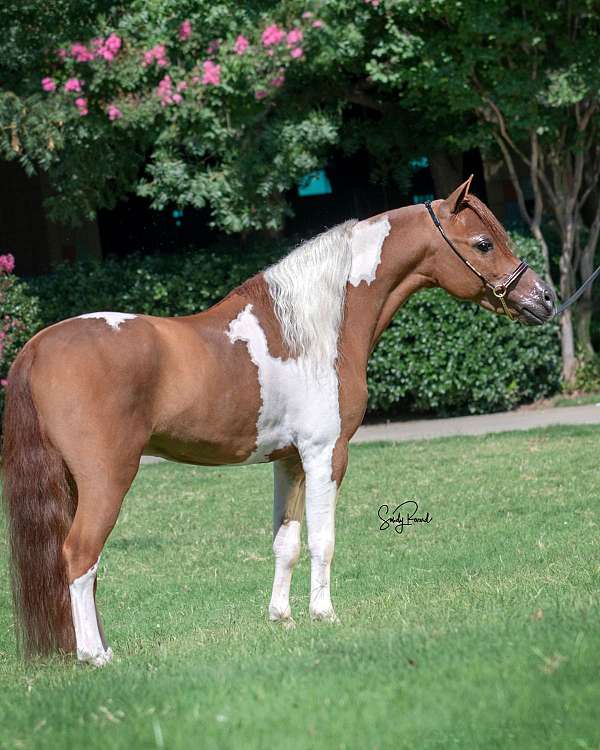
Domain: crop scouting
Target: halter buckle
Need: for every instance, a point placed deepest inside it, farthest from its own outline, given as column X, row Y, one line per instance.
column 500, row 292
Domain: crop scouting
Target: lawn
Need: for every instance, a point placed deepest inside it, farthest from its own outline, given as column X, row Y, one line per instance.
column 480, row 629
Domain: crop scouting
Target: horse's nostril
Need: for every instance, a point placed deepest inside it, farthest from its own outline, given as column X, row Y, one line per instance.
column 547, row 295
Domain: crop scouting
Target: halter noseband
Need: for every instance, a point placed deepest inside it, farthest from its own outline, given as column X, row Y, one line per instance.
column 499, row 290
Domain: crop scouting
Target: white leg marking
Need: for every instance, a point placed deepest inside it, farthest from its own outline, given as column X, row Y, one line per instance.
column 286, row 547
column 321, row 494
column 288, row 503
column 367, row 240
column 89, row 643
column 114, row 319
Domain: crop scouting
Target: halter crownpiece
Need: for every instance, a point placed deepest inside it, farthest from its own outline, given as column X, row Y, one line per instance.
column 499, row 290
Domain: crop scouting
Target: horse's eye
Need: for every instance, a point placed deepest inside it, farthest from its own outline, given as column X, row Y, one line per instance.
column 484, row 246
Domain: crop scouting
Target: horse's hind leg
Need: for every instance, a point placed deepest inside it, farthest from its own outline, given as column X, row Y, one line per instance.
column 288, row 508
column 100, row 495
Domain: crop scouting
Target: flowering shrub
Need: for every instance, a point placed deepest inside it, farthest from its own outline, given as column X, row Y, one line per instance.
column 187, row 103
column 19, row 317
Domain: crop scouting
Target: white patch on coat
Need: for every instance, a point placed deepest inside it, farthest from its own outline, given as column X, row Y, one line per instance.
column 308, row 289
column 299, row 402
column 89, row 642
column 367, row 241
column 114, row 319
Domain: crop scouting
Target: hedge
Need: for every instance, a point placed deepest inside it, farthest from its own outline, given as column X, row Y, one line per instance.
column 438, row 355
column 19, row 318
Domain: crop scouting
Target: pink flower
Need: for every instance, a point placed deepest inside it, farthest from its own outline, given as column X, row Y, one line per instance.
column 177, row 98
column 278, row 81
column 272, row 35
column 164, row 91
column 113, row 43
column 260, row 94
column 114, row 113
column 307, row 14
column 294, row 37
column 81, row 104
column 317, row 24
column 185, row 30
column 107, row 48
column 212, row 73
column 73, row 84
column 241, row 45
column 158, row 53
column 182, row 86
column 62, row 53
column 48, row 84
column 296, row 52
column 81, row 53
column 7, row 263
column 4, row 382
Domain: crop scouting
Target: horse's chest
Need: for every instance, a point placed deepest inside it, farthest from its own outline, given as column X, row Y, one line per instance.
column 298, row 403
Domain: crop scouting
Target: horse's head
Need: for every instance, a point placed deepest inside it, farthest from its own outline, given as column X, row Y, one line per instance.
column 472, row 260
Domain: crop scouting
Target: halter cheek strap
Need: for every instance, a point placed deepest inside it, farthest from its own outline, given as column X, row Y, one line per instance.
column 499, row 290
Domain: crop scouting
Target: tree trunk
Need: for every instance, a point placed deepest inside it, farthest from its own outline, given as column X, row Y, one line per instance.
column 446, row 170
column 567, row 339
column 584, row 307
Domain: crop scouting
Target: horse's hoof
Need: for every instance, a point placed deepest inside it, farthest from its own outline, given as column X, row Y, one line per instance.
column 284, row 619
column 96, row 660
column 328, row 616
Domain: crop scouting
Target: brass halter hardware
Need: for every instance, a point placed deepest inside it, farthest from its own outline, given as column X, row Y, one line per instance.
column 499, row 290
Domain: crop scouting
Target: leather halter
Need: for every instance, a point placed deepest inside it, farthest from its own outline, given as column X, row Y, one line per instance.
column 499, row 290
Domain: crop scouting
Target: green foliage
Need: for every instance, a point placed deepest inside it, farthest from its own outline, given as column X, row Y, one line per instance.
column 153, row 285
column 19, row 320
column 397, row 77
column 443, row 356
column 587, row 377
column 439, row 355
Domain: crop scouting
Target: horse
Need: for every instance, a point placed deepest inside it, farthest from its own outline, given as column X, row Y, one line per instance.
column 274, row 372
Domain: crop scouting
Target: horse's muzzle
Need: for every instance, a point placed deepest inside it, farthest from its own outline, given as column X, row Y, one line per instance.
column 538, row 306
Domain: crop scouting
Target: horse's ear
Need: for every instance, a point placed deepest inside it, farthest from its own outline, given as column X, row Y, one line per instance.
column 453, row 202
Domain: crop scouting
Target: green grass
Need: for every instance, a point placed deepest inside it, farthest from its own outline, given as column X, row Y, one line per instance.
column 580, row 400
column 479, row 630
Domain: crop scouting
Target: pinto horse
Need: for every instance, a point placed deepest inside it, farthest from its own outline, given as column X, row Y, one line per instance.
column 276, row 372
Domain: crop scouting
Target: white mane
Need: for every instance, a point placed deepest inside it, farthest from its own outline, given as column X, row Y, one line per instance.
column 308, row 289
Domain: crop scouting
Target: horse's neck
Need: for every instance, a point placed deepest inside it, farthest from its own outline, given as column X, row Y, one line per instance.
column 371, row 307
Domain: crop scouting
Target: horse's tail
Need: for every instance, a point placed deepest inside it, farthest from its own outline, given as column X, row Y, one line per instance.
column 40, row 502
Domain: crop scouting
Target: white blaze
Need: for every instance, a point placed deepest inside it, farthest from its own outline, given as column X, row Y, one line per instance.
column 114, row 319
column 367, row 241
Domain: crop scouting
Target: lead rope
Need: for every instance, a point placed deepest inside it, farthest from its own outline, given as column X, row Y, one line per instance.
column 576, row 295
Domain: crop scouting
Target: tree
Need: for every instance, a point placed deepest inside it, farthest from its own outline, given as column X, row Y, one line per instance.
column 521, row 78
column 192, row 102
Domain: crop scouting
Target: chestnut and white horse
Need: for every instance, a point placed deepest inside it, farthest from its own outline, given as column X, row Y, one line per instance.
column 274, row 372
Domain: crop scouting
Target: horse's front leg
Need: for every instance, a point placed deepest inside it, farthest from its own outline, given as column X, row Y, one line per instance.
column 288, row 508
column 323, row 477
